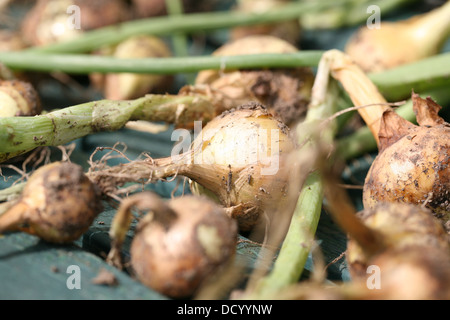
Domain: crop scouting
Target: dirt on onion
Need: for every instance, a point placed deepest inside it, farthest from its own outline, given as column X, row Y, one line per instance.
column 18, row 98
column 58, row 204
column 178, row 244
column 413, row 164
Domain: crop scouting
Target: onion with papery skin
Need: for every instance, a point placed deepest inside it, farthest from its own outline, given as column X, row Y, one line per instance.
column 413, row 164
column 125, row 86
column 240, row 156
column 178, row 244
column 400, row 42
column 18, row 98
column 58, row 204
column 51, row 21
column 285, row 92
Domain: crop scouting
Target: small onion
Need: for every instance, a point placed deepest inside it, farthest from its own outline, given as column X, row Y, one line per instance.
column 400, row 42
column 51, row 21
column 125, row 86
column 413, row 164
column 58, row 204
column 18, row 98
column 178, row 244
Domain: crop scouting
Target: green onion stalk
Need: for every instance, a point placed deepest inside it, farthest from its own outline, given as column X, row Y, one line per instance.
column 19, row 135
column 316, row 130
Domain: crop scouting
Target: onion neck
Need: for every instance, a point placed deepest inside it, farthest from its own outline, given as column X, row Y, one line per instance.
column 361, row 90
column 144, row 201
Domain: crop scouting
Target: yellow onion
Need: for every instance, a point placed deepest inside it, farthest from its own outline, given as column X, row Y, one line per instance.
column 400, row 42
column 18, row 98
column 178, row 244
column 285, row 92
column 125, row 86
column 413, row 164
column 58, row 204
column 51, row 21
column 239, row 156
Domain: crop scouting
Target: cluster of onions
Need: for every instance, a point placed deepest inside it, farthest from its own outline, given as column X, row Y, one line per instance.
column 18, row 98
column 395, row 43
column 285, row 92
column 58, row 204
column 125, row 86
column 49, row 21
column 239, row 156
column 405, row 192
column 177, row 245
column 286, row 30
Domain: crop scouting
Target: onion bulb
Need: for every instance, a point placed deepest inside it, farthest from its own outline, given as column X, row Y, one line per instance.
column 239, row 156
column 178, row 244
column 58, row 204
column 400, row 42
column 52, row 21
column 413, row 164
column 285, row 92
column 125, row 86
column 18, row 98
